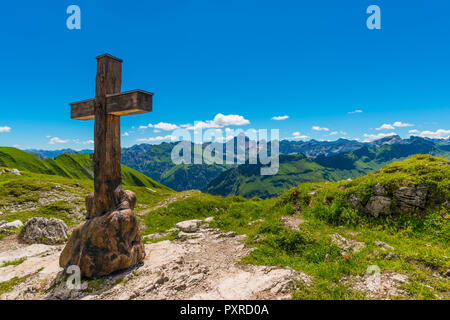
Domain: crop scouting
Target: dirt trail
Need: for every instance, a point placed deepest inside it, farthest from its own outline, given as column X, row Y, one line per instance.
column 202, row 266
column 164, row 203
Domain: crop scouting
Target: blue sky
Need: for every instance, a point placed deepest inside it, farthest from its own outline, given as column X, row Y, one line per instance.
column 246, row 61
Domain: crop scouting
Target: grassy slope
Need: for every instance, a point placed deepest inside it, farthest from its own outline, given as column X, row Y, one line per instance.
column 70, row 166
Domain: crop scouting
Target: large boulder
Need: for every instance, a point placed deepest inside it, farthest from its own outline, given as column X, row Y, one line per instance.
column 43, row 230
column 412, row 198
column 189, row 225
column 107, row 243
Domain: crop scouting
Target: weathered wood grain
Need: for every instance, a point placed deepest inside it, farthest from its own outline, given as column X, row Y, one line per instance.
column 125, row 103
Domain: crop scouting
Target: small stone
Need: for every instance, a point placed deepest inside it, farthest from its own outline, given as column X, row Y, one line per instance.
column 384, row 245
column 391, row 256
column 190, row 235
column 230, row 234
column 13, row 225
column 209, row 219
column 3, row 222
column 189, row 225
column 291, row 222
column 156, row 236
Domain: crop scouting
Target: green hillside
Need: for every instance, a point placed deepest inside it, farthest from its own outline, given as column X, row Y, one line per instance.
column 74, row 166
column 246, row 180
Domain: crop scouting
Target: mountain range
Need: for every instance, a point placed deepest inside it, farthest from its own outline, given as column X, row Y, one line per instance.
column 300, row 161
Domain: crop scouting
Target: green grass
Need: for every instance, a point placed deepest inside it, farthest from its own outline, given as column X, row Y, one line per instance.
column 13, row 263
column 8, row 286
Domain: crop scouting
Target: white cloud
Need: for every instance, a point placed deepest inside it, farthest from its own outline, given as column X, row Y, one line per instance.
column 278, row 118
column 165, row 126
column 77, row 141
column 356, row 111
column 413, row 131
column 386, row 127
column 162, row 126
column 334, row 133
column 317, row 128
column 220, row 121
column 230, row 120
column 56, row 140
column 5, row 129
column 126, row 134
column 298, row 135
column 397, row 124
column 438, row 134
column 159, row 138
column 378, row 136
column 400, row 124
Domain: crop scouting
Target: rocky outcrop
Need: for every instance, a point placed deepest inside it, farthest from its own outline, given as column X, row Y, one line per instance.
column 106, row 243
column 378, row 205
column 412, row 198
column 42, row 230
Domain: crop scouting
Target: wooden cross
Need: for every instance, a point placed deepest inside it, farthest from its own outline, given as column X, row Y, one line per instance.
column 106, row 108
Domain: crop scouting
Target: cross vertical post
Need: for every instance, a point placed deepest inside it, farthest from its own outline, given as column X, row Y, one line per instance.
column 107, row 151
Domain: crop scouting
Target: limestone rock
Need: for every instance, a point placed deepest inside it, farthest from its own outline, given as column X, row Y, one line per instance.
column 106, row 243
column 189, row 235
column 12, row 225
column 156, row 236
column 412, row 198
column 378, row 190
column 378, row 205
column 189, row 225
column 347, row 245
column 49, row 231
column 209, row 219
column 291, row 222
column 12, row 171
column 384, row 245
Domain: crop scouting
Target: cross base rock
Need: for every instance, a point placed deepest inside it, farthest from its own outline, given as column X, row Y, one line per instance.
column 106, row 243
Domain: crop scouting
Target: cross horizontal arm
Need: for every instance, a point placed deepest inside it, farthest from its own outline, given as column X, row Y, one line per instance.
column 120, row 104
